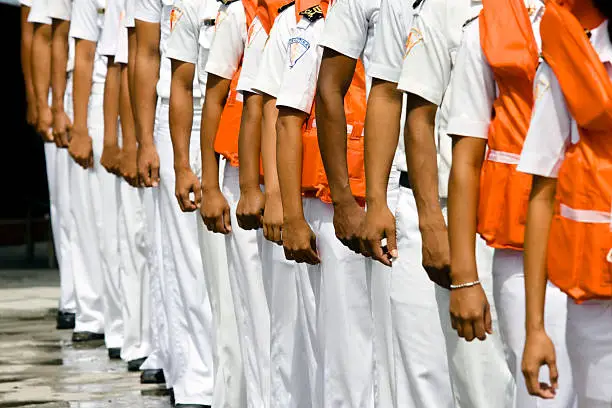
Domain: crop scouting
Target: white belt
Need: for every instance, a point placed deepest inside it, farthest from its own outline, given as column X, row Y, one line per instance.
column 498, row 156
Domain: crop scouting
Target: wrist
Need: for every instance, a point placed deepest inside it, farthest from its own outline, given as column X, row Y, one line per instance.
column 209, row 187
column 461, row 274
column 429, row 220
column 58, row 108
column 376, row 201
column 250, row 188
column 293, row 217
column 535, row 326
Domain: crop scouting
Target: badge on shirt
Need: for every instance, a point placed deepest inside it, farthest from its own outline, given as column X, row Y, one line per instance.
column 414, row 38
column 175, row 16
column 313, row 14
column 297, row 48
column 221, row 15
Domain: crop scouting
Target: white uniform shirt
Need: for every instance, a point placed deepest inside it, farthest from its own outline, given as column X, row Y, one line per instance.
column 552, row 128
column 230, row 38
column 253, row 55
column 121, row 56
column 432, row 45
column 62, row 10
column 473, row 82
column 130, row 6
column 27, row 3
column 110, row 30
column 39, row 12
column 276, row 52
column 87, row 22
column 192, row 35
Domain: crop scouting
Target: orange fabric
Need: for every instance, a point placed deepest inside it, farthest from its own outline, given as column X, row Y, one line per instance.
column 250, row 9
column 577, row 251
column 509, row 44
column 313, row 171
column 267, row 11
column 226, row 142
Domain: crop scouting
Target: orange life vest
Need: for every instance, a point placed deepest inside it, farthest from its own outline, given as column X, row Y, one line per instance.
column 226, row 142
column 580, row 237
column 268, row 10
column 509, row 44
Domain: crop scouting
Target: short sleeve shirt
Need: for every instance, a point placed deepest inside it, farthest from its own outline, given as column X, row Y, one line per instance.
column 27, row 3
column 110, row 30
column 253, row 54
column 87, row 22
column 130, row 9
column 39, row 12
column 230, row 38
column 60, row 9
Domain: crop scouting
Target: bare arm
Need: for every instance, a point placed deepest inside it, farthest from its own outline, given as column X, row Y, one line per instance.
column 129, row 167
column 273, row 214
column 59, row 62
column 382, row 128
column 110, row 155
column 41, row 75
column 146, row 75
column 27, row 32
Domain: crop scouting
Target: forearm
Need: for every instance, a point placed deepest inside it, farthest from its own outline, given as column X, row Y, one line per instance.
column 268, row 145
column 132, row 50
column 289, row 163
column 111, row 102
column 27, row 32
column 249, row 142
column 382, row 130
column 181, row 119
column 539, row 217
column 217, row 89
column 82, row 81
column 146, row 75
column 126, row 114
column 41, row 64
column 59, row 63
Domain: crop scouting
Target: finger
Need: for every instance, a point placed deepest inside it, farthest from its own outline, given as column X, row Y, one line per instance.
column 179, row 200
column 265, row 232
column 554, row 374
column 288, row 254
column 313, row 250
column 227, row 220
column 378, row 254
column 392, row 242
column 188, row 205
column 145, row 175
column 197, row 193
column 155, row 174
column 277, row 234
column 459, row 328
column 488, row 321
column 479, row 329
column 468, row 330
column 454, row 322
column 531, row 381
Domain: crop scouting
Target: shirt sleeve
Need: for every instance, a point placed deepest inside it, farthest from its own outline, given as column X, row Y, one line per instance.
column 84, row 24
column 302, row 66
column 27, row 3
column 39, row 13
column 550, row 130
column 427, row 64
column 148, row 11
column 60, row 9
column 128, row 20
column 109, row 38
column 228, row 46
column 183, row 41
column 256, row 41
column 390, row 40
column 474, row 91
column 346, row 27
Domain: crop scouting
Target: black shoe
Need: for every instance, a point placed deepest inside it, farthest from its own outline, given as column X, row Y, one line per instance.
column 114, row 353
column 134, row 365
column 65, row 320
column 79, row 337
column 172, row 399
column 152, row 377
column 192, row 406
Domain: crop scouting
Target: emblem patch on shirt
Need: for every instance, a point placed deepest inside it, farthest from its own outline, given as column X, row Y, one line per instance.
column 220, row 17
column 414, row 38
column 297, row 48
column 541, row 86
column 175, row 15
column 313, row 14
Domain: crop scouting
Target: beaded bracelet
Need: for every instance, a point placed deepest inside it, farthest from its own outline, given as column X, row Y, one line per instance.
column 465, row 285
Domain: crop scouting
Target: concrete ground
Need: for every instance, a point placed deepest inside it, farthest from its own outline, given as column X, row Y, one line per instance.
column 39, row 365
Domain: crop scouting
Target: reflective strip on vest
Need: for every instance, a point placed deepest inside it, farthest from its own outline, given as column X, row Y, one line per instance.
column 503, row 157
column 586, row 216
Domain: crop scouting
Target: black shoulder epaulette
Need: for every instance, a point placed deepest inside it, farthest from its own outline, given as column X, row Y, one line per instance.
column 470, row 20
column 209, row 22
column 417, row 3
column 227, row 2
column 313, row 14
column 285, row 7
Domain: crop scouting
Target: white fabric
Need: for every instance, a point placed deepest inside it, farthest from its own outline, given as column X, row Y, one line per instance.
column 251, row 305
column 86, row 24
column 586, row 216
column 39, row 12
column 193, row 381
column 229, row 389
column 128, row 21
column 59, row 9
column 109, row 39
column 230, row 39
column 253, row 53
column 121, row 57
column 509, row 295
column 589, row 343
column 26, row 3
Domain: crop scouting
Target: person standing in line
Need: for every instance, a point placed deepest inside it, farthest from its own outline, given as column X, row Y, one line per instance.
column 27, row 33
column 483, row 186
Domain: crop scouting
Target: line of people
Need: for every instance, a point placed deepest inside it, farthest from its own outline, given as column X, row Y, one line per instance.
column 344, row 203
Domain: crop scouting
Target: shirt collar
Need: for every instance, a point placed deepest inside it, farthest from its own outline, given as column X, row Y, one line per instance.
column 601, row 42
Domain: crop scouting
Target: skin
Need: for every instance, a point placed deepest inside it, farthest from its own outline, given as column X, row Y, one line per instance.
column 419, row 137
column 335, row 77
column 146, row 75
column 129, row 154
column 273, row 212
column 539, row 349
column 132, row 50
column 469, row 307
column 214, row 209
column 80, row 147
column 251, row 205
column 382, row 128
column 59, row 63
column 299, row 242
column 181, row 121
column 111, row 154
column 27, row 34
column 41, row 74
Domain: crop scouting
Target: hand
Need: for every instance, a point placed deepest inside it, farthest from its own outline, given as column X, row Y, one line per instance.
column 348, row 221
column 44, row 124
column 148, row 165
column 187, row 183
column 250, row 208
column 129, row 165
column 539, row 351
column 273, row 219
column 379, row 223
column 215, row 211
column 32, row 114
column 300, row 242
column 111, row 159
column 81, row 148
column 436, row 252
column 470, row 313
column 61, row 129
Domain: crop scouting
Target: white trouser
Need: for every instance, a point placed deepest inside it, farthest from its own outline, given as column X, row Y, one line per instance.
column 509, row 293
column 421, row 367
column 135, row 284
column 293, row 296
column 193, row 383
column 589, row 343
column 251, row 305
column 85, row 243
column 229, row 389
